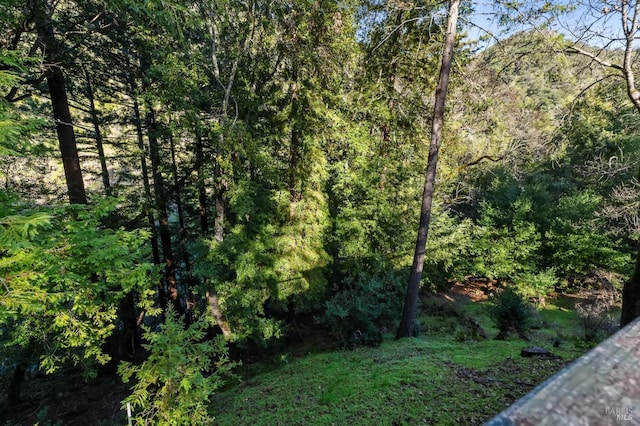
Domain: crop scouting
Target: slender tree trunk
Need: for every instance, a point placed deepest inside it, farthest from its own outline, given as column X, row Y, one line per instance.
column 220, row 185
column 163, row 217
column 219, row 190
column 211, row 295
column 155, row 250
column 216, row 311
column 178, row 191
column 200, row 184
column 405, row 329
column 60, row 103
column 182, row 233
column 98, row 135
column 145, row 182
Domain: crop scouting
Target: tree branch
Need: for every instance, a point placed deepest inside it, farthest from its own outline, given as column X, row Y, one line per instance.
column 577, row 50
column 484, row 157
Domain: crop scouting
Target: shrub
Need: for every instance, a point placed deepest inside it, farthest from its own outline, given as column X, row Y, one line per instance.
column 175, row 383
column 511, row 312
column 597, row 319
column 538, row 285
column 356, row 314
column 506, row 242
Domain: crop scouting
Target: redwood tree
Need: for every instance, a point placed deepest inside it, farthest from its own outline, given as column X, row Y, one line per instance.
column 42, row 12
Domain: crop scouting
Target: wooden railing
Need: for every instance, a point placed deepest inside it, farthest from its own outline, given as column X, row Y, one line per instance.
column 600, row 388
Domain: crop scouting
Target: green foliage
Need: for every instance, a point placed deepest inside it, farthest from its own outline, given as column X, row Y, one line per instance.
column 505, row 242
column 449, row 245
column 364, row 305
column 174, row 385
column 63, row 276
column 577, row 240
column 541, row 222
column 537, row 285
column 15, row 124
column 510, row 311
column 272, row 263
column 403, row 381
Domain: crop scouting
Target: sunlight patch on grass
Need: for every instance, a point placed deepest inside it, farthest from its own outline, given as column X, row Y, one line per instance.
column 433, row 379
column 407, row 381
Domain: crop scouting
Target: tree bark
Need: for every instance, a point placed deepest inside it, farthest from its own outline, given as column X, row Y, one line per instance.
column 219, row 183
column 406, row 327
column 155, row 250
column 163, row 217
column 104, row 171
column 182, row 232
column 214, row 306
column 203, row 212
column 59, row 103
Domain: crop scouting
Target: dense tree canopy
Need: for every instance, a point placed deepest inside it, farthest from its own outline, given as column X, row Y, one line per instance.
column 259, row 165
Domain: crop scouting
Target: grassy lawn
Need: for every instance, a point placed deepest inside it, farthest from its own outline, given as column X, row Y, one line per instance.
column 442, row 377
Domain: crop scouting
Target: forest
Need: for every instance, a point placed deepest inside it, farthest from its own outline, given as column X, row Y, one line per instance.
column 311, row 211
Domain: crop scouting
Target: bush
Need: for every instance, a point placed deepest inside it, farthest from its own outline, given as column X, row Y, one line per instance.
column 506, row 242
column 538, row 285
column 357, row 313
column 175, row 383
column 511, row 312
column 597, row 319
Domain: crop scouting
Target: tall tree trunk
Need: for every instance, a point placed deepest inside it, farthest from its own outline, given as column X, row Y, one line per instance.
column 104, row 171
column 211, row 295
column 147, row 195
column 405, row 329
column 182, row 233
column 220, row 186
column 218, row 195
column 163, row 217
column 178, row 191
column 59, row 103
column 203, row 211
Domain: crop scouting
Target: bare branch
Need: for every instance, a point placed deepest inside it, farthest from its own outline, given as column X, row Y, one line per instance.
column 575, row 49
column 397, row 28
column 4, row 283
column 484, row 157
